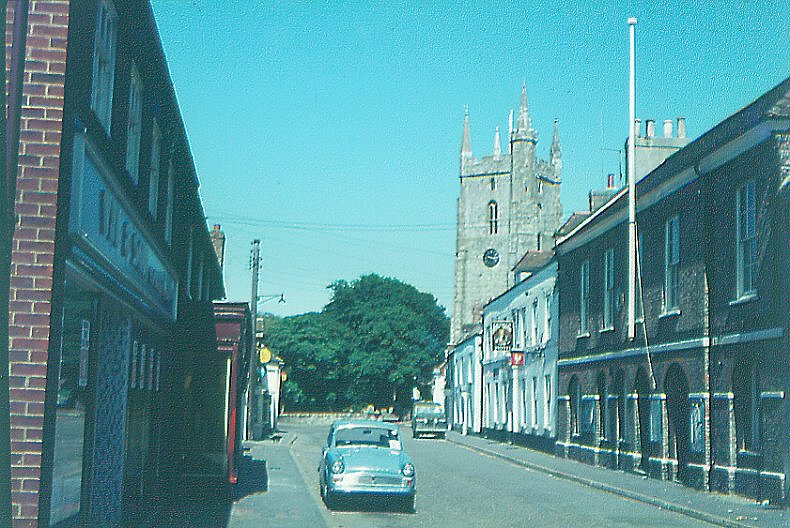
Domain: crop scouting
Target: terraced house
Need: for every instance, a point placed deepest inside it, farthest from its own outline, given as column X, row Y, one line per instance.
column 700, row 394
column 113, row 270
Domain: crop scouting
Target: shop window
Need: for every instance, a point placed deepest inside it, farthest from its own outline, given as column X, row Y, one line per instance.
column 72, row 403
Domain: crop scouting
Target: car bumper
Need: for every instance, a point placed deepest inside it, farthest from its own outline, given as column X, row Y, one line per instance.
column 430, row 429
column 363, row 483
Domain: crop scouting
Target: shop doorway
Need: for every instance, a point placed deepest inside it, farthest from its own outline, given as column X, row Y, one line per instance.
column 643, row 391
column 677, row 391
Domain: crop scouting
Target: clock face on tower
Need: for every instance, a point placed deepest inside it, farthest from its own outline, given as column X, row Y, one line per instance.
column 491, row 257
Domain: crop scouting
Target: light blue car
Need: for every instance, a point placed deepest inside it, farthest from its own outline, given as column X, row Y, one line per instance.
column 365, row 457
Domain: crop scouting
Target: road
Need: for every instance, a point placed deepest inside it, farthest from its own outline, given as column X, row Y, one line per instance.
column 460, row 487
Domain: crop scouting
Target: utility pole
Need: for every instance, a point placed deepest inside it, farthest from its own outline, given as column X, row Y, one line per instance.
column 253, row 416
column 9, row 137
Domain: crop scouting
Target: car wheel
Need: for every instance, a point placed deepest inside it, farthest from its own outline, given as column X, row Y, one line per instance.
column 442, row 436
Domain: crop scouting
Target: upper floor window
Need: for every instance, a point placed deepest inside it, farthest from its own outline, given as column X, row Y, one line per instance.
column 493, row 218
column 190, row 251
column 534, row 332
column 547, row 319
column 518, row 332
column 170, row 203
column 153, row 174
column 608, row 288
column 104, row 63
column 746, row 239
column 584, row 296
column 492, row 184
column 671, row 264
column 134, row 124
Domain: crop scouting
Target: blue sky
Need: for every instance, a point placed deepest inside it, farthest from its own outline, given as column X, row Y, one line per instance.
column 331, row 130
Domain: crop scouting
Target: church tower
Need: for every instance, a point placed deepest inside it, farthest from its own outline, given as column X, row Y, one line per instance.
column 509, row 203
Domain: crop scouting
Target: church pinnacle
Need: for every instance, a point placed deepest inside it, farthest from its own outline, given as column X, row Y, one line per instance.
column 523, row 123
column 523, row 130
column 466, row 142
column 555, row 141
column 497, row 148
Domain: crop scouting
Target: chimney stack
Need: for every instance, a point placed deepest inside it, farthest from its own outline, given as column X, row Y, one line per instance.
column 667, row 128
column 218, row 241
column 650, row 128
column 681, row 127
column 637, row 127
column 610, row 181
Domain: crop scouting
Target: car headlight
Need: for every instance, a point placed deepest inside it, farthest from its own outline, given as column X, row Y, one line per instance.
column 407, row 470
column 338, row 466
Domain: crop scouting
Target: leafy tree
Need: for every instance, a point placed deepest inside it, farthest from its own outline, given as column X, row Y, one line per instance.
column 397, row 336
column 312, row 347
column 375, row 340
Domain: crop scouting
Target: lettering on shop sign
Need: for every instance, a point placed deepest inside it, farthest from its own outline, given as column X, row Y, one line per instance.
column 101, row 217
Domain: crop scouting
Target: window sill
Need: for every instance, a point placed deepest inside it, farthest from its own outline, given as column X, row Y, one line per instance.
column 606, row 330
column 583, row 336
column 745, row 298
column 671, row 313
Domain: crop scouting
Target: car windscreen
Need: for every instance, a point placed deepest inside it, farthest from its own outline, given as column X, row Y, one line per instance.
column 428, row 410
column 366, row 436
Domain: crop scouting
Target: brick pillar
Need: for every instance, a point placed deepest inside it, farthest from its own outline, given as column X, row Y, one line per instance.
column 33, row 248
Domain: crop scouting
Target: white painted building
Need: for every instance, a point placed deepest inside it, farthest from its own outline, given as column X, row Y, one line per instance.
column 519, row 347
column 465, row 376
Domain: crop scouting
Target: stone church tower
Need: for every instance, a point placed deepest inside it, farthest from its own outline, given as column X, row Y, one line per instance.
column 509, row 204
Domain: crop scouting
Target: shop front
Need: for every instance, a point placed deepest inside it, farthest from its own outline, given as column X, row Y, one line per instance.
column 118, row 311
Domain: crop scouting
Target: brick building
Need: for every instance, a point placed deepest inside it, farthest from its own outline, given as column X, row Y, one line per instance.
column 113, row 271
column 699, row 396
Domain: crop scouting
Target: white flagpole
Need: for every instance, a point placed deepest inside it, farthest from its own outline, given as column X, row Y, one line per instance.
column 631, row 189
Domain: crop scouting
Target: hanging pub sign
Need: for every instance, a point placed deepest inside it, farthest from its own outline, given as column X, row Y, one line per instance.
column 501, row 336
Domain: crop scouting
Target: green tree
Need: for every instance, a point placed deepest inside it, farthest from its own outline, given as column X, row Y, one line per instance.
column 313, row 349
column 397, row 335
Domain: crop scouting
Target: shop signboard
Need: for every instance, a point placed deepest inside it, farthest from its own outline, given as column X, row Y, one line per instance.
column 501, row 336
column 108, row 228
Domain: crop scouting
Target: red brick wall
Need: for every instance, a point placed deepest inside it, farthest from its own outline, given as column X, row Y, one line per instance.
column 33, row 247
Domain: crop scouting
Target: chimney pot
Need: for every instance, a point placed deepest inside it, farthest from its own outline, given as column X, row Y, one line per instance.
column 681, row 127
column 637, row 127
column 610, row 181
column 667, row 128
column 650, row 128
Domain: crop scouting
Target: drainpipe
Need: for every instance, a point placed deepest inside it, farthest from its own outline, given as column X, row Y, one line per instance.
column 706, row 333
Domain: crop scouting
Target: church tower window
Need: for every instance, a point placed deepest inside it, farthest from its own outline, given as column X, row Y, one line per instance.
column 493, row 184
column 493, row 218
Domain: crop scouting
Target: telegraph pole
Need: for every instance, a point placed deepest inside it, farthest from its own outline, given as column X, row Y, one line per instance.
column 253, row 416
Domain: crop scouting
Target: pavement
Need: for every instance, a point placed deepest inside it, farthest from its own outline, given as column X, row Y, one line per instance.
column 714, row 508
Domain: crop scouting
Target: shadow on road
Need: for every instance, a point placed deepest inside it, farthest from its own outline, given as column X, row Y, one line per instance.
column 371, row 505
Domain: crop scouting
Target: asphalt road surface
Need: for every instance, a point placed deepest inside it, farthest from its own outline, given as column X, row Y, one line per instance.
column 459, row 487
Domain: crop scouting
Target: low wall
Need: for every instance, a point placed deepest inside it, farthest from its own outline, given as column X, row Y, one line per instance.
column 325, row 417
